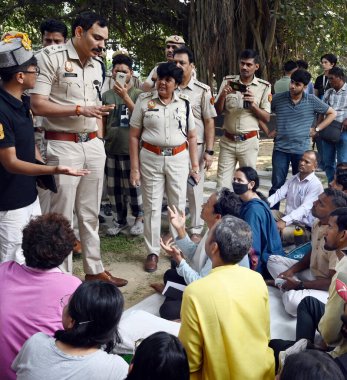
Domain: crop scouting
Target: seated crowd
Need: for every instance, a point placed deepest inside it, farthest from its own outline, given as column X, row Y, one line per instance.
column 56, row 327
column 53, row 326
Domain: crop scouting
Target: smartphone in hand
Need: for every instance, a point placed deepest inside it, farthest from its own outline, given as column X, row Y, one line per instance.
column 121, row 78
column 237, row 86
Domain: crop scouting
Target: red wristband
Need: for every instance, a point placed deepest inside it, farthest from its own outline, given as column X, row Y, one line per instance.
column 78, row 110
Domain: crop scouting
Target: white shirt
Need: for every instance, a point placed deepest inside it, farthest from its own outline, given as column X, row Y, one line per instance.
column 300, row 197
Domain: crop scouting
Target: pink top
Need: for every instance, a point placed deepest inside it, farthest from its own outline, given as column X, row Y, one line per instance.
column 29, row 303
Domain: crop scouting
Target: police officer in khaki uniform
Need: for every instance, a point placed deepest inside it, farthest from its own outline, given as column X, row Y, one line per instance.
column 67, row 93
column 171, row 43
column 164, row 122
column 201, row 101
column 242, row 114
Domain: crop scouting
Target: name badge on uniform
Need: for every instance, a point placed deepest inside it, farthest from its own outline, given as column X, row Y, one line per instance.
column 70, row 75
column 68, row 66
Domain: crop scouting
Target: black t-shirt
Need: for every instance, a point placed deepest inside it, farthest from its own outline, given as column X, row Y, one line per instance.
column 321, row 84
column 16, row 130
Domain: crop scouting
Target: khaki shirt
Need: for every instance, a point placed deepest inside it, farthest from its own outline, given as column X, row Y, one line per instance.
column 238, row 120
column 330, row 324
column 66, row 82
column 162, row 125
column 321, row 260
column 201, row 101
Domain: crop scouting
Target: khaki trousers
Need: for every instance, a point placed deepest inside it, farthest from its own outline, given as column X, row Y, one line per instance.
column 232, row 152
column 287, row 234
column 159, row 174
column 82, row 194
column 195, row 195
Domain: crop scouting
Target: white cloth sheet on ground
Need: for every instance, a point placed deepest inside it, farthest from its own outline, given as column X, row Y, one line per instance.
column 142, row 320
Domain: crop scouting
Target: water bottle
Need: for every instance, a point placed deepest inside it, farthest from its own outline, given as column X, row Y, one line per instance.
column 299, row 237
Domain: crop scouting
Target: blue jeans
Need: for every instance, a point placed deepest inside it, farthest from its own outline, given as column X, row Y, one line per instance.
column 333, row 151
column 280, row 167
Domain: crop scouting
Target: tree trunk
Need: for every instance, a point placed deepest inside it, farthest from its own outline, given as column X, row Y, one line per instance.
column 220, row 29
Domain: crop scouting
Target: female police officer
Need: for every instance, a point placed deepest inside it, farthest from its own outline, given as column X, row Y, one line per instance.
column 165, row 123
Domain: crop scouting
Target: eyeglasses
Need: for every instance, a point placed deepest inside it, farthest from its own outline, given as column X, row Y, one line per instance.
column 37, row 71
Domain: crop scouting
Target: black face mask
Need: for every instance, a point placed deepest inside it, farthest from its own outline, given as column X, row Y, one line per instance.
column 240, row 188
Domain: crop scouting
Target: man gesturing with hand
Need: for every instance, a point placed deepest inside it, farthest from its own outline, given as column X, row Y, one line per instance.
column 67, row 93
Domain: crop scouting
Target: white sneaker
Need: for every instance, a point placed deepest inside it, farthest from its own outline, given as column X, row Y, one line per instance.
column 299, row 346
column 137, row 228
column 114, row 231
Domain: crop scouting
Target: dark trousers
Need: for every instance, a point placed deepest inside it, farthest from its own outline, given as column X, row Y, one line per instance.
column 310, row 311
column 171, row 308
column 280, row 167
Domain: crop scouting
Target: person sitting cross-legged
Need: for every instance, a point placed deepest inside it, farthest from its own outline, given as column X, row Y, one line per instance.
column 300, row 192
column 225, row 316
column 82, row 349
column 190, row 258
column 311, row 276
column 30, row 294
column 256, row 212
column 312, row 314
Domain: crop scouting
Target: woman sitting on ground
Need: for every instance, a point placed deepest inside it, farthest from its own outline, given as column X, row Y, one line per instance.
column 256, row 212
column 90, row 319
column 30, row 294
column 160, row 356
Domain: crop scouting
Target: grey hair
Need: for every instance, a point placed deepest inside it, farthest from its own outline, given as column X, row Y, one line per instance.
column 234, row 239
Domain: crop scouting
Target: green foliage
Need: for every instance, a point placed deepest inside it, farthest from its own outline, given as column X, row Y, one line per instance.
column 303, row 28
column 138, row 26
column 312, row 28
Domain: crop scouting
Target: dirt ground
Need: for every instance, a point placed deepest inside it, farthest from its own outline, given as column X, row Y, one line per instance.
column 124, row 255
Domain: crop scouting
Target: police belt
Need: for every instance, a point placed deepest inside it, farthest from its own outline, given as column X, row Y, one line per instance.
column 74, row 137
column 163, row 151
column 243, row 137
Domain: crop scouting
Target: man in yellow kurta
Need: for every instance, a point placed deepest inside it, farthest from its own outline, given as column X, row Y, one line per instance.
column 225, row 315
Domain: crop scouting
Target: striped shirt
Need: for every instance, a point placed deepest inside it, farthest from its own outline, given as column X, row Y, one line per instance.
column 338, row 101
column 293, row 121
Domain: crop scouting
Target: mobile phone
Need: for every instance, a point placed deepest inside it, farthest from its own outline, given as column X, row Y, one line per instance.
column 121, row 78
column 191, row 181
column 237, row 86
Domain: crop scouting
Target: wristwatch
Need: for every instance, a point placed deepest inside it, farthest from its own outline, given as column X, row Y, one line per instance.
column 210, row 152
column 317, row 129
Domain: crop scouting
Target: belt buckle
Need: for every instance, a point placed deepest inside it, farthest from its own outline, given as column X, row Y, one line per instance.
column 238, row 138
column 83, row 137
column 166, row 152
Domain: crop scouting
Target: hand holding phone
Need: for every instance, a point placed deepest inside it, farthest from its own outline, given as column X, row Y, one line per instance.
column 121, row 78
column 236, row 86
column 191, row 181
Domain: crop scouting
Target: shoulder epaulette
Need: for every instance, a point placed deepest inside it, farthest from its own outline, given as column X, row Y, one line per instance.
column 53, row 49
column 231, row 77
column 203, row 85
column 146, row 94
column 183, row 96
column 264, row 82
